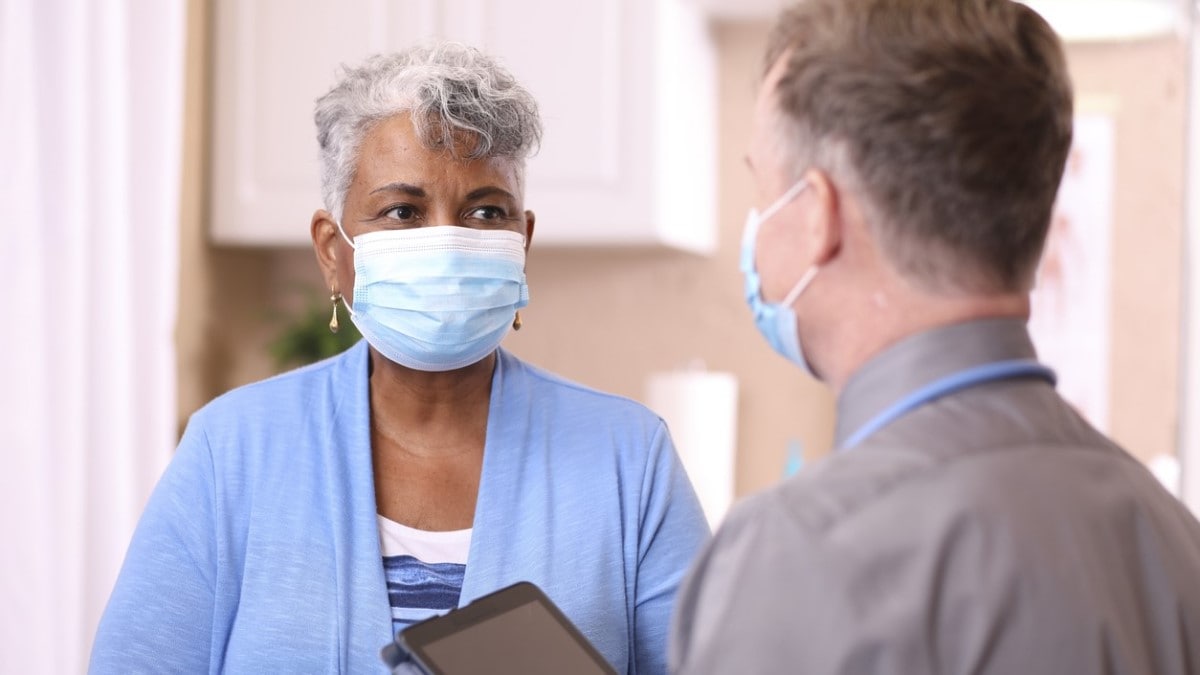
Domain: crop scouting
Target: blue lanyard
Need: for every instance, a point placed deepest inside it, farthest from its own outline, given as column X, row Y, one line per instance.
column 963, row 379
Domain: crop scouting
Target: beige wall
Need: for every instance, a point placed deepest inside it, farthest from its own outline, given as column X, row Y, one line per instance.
column 1145, row 85
column 609, row 318
column 231, row 299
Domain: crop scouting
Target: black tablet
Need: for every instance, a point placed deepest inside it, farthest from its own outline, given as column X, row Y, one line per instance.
column 516, row 630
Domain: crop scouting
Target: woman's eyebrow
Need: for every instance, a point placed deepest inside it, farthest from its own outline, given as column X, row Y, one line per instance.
column 487, row 191
column 406, row 188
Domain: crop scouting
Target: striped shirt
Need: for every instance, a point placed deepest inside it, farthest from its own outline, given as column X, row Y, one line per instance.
column 424, row 570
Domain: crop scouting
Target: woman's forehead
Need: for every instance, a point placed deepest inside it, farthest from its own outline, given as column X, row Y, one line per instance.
column 393, row 152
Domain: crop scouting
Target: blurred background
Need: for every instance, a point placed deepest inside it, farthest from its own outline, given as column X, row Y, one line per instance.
column 158, row 172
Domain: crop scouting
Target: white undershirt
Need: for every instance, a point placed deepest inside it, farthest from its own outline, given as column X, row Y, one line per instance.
column 428, row 547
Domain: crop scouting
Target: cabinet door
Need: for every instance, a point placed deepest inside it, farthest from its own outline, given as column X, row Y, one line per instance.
column 626, row 89
column 273, row 59
column 627, row 94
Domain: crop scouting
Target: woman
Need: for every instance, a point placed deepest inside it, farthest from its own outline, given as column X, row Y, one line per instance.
column 308, row 517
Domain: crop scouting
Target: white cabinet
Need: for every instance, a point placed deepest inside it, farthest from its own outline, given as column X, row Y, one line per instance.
column 272, row 59
column 627, row 90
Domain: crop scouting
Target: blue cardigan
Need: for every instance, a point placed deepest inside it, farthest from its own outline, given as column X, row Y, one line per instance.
column 259, row 549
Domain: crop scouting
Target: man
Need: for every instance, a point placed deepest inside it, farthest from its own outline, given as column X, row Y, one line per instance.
column 970, row 521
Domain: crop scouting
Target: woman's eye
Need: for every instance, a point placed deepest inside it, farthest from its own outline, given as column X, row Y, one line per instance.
column 489, row 213
column 402, row 212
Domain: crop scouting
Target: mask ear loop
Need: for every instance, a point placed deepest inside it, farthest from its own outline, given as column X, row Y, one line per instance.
column 783, row 200
column 802, row 284
column 771, row 210
column 343, row 232
column 333, row 323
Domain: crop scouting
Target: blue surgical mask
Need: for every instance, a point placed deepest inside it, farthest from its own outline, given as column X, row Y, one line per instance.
column 776, row 321
column 437, row 298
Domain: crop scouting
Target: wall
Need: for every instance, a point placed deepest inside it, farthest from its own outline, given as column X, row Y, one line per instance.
column 608, row 318
column 232, row 300
column 1145, row 85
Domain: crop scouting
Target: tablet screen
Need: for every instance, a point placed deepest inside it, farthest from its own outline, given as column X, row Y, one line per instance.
column 516, row 630
column 525, row 639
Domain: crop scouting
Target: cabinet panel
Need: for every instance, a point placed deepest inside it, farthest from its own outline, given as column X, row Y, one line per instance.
column 590, row 183
column 626, row 89
column 628, row 93
column 580, row 97
column 274, row 58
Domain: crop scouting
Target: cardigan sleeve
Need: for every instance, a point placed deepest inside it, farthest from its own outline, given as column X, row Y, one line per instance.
column 673, row 529
column 159, row 617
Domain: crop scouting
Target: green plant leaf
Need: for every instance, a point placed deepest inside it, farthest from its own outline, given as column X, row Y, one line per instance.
column 307, row 339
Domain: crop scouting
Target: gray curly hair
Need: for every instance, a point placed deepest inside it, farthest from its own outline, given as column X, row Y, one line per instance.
column 453, row 92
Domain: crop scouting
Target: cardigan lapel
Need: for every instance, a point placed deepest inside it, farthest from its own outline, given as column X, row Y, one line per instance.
column 490, row 562
column 364, row 614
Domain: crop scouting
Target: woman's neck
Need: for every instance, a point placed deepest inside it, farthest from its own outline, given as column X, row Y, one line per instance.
column 429, row 412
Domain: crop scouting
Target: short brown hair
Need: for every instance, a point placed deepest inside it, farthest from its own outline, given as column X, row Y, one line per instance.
column 953, row 118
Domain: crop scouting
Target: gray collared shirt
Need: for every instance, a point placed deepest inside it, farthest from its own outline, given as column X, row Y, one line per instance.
column 991, row 531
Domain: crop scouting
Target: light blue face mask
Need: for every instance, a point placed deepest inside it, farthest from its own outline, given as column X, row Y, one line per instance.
column 437, row 298
column 776, row 321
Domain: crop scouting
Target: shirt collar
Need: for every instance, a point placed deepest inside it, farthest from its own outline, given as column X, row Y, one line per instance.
column 920, row 359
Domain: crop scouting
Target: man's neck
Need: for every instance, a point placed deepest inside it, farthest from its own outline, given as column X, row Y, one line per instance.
column 881, row 321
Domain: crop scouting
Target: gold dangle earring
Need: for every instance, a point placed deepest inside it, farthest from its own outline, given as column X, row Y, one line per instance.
column 517, row 321
column 333, row 322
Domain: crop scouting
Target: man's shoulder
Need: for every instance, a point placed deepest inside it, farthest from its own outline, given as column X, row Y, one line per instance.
column 842, row 486
column 876, row 484
column 907, row 496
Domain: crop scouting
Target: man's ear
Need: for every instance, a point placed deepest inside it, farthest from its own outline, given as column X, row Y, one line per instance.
column 326, row 242
column 530, row 219
column 825, row 217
